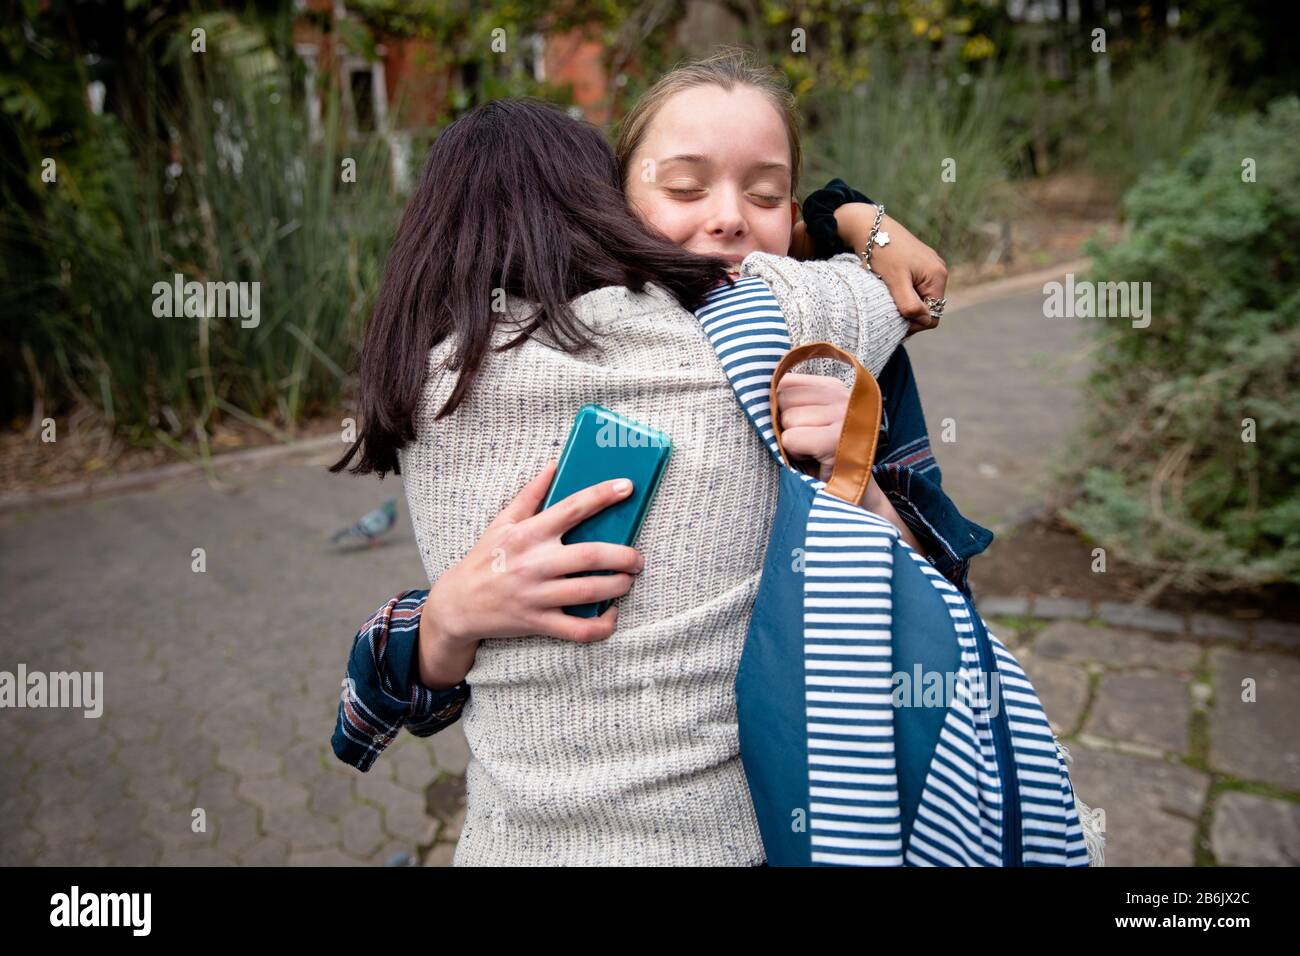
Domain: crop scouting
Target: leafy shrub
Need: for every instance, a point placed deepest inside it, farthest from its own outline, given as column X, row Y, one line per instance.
column 1171, row 480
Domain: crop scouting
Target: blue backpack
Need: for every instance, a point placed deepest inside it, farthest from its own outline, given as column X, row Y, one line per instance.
column 852, row 754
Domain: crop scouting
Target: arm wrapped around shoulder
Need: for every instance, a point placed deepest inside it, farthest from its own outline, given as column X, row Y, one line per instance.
column 835, row 301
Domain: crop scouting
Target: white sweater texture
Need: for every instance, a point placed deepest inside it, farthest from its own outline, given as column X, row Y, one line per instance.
column 625, row 751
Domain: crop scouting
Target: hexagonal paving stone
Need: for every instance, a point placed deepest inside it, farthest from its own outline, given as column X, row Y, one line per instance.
column 303, row 829
column 330, row 856
column 268, row 851
column 412, row 758
column 393, row 848
column 330, row 795
column 1147, row 708
column 1115, row 647
column 380, row 790
column 1150, row 806
column 214, row 791
column 451, row 749
column 195, row 758
column 445, row 801
column 272, row 793
column 303, row 758
column 163, row 788
column 133, row 848
column 237, row 829
column 249, row 760
column 442, row 854
column 195, row 856
column 74, row 822
column 406, row 819
column 1256, row 740
column 63, row 852
column 363, row 832
column 1250, row 830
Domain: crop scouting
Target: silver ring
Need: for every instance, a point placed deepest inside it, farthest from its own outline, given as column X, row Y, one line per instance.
column 935, row 305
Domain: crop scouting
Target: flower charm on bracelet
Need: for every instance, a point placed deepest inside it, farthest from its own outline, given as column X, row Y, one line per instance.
column 882, row 239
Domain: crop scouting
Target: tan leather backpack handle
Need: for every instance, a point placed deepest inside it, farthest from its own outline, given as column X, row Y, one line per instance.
column 856, row 451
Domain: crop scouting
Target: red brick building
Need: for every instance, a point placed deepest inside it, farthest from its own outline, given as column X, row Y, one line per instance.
column 405, row 87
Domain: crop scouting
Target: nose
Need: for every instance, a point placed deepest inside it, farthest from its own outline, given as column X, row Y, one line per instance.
column 727, row 217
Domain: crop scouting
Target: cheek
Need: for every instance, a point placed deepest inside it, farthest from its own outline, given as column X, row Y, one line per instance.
column 679, row 221
column 772, row 231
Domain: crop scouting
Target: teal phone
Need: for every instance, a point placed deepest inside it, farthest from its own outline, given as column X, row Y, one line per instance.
column 603, row 445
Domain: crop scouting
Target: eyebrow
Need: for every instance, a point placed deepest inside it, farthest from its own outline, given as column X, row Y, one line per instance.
column 698, row 159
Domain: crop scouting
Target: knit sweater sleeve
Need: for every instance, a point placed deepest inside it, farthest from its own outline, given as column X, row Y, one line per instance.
column 834, row 301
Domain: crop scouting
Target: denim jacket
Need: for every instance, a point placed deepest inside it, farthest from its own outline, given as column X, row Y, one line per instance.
column 382, row 693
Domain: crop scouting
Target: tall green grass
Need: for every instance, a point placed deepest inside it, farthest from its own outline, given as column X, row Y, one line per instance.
column 1156, row 110
column 893, row 137
column 237, row 190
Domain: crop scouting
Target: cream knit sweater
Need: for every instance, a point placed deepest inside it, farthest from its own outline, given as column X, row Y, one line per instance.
column 625, row 751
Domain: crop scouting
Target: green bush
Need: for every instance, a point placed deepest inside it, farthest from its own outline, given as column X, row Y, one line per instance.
column 1170, row 480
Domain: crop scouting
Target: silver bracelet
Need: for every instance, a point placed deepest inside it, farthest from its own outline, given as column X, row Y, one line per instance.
column 877, row 238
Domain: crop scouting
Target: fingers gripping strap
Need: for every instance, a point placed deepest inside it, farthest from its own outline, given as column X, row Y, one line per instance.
column 856, row 451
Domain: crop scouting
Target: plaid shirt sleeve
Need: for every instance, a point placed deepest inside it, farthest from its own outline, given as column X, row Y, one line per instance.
column 381, row 690
column 950, row 538
column 909, row 475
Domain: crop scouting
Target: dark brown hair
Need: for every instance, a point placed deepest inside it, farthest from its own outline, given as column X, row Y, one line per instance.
column 517, row 196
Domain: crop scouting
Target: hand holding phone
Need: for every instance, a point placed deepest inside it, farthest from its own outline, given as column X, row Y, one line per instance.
column 518, row 576
column 603, row 445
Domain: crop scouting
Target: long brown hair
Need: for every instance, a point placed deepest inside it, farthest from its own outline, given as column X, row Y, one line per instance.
column 516, row 197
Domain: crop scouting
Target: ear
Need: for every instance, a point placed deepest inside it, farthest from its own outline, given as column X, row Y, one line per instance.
column 794, row 211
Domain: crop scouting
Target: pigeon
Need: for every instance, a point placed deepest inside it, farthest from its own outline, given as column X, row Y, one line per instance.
column 369, row 528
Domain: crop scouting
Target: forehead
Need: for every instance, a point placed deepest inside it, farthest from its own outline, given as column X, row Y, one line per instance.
column 737, row 127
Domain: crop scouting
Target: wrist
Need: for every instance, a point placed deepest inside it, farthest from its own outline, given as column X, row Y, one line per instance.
column 446, row 651
column 878, row 503
column 854, row 221
column 819, row 214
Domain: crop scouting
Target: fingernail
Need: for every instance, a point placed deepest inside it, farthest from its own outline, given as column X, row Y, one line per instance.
column 622, row 486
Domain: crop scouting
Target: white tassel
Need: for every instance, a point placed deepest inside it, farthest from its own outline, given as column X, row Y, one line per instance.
column 1093, row 836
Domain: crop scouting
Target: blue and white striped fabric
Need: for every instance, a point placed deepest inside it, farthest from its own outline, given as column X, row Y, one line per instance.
column 853, row 764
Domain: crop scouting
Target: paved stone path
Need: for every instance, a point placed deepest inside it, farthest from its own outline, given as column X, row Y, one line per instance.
column 220, row 687
column 1007, row 379
column 1187, row 743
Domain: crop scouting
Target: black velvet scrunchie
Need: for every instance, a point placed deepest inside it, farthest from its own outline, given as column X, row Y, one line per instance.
column 819, row 216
